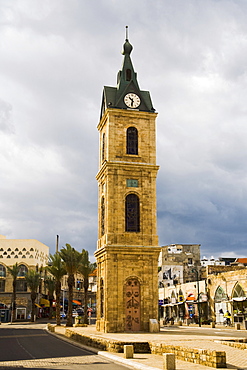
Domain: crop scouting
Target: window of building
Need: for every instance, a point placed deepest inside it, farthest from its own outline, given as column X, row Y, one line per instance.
column 102, row 216
column 21, row 285
column 132, row 141
column 101, row 297
column 22, row 270
column 2, row 271
column 2, row 285
column 238, row 291
column 132, row 213
column 103, row 147
column 128, row 74
column 190, row 261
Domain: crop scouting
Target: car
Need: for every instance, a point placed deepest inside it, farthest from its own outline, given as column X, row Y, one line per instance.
column 63, row 315
column 74, row 313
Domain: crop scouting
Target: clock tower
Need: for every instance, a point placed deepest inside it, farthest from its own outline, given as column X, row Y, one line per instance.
column 127, row 248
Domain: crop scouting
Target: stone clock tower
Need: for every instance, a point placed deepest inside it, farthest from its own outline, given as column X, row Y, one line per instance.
column 127, row 248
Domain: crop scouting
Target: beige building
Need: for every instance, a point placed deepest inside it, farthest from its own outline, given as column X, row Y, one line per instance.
column 179, row 263
column 127, row 248
column 224, row 288
column 29, row 254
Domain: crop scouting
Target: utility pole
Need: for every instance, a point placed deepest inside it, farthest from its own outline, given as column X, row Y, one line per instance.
column 198, row 296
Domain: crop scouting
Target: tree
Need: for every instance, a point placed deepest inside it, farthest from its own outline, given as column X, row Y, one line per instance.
column 57, row 269
column 86, row 268
column 72, row 260
column 50, row 284
column 33, row 281
column 14, row 273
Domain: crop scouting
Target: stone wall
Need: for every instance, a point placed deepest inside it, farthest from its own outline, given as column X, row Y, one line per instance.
column 204, row 357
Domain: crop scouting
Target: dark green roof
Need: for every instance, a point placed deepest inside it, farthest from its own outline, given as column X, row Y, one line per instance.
column 113, row 97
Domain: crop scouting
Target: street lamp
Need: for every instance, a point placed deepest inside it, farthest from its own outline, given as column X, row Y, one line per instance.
column 198, row 296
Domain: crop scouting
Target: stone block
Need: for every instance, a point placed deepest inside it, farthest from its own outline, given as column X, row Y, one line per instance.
column 169, row 361
column 153, row 326
column 128, row 351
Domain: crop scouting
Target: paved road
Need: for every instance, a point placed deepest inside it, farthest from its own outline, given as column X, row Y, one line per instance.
column 32, row 347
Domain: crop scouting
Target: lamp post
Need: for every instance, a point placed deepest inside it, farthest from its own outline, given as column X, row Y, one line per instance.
column 198, row 296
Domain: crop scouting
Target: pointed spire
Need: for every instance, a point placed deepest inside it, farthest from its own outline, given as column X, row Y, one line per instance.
column 127, row 47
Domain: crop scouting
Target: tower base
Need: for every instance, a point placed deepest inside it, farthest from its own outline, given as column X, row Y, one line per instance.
column 127, row 295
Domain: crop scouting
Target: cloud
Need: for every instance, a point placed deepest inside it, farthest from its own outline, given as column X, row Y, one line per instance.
column 55, row 59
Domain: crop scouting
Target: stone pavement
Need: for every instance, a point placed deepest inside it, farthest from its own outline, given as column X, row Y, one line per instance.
column 236, row 358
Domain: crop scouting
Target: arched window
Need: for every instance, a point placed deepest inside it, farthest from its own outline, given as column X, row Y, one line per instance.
column 22, row 270
column 101, row 297
column 238, row 291
column 103, row 147
column 132, row 213
column 102, row 216
column 2, row 271
column 220, row 294
column 128, row 74
column 132, row 141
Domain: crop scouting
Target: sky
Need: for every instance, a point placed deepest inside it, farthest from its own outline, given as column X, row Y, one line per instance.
column 55, row 58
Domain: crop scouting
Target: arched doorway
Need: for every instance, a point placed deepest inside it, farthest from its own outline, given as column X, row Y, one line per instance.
column 132, row 305
column 239, row 303
column 220, row 304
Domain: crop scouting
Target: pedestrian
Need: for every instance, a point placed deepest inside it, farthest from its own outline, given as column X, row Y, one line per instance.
column 227, row 315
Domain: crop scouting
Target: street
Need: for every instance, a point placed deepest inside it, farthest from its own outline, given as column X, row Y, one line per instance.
column 31, row 346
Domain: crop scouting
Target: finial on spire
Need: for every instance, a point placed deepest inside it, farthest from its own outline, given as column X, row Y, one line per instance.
column 127, row 29
column 127, row 47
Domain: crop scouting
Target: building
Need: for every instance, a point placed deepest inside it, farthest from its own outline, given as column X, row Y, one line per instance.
column 29, row 254
column 179, row 263
column 127, row 247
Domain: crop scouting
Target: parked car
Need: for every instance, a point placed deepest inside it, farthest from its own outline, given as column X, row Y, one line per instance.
column 74, row 313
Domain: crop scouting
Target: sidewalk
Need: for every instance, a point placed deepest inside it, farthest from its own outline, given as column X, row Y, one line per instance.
column 236, row 358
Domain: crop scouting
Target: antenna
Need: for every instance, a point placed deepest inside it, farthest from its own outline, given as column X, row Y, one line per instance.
column 127, row 28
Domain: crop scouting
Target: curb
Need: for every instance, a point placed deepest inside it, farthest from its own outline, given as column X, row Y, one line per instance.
column 132, row 363
column 109, row 355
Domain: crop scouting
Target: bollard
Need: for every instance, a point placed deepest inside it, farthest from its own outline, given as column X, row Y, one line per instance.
column 128, row 351
column 169, row 361
column 213, row 324
column 180, row 323
column 237, row 326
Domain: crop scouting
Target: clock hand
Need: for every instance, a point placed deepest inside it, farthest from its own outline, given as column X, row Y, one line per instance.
column 132, row 101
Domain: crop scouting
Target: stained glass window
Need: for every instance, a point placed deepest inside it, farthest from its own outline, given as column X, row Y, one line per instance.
column 132, row 213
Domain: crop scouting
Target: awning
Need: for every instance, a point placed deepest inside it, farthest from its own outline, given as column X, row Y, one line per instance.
column 44, row 302
column 190, row 297
column 78, row 303
column 239, row 299
column 37, row 305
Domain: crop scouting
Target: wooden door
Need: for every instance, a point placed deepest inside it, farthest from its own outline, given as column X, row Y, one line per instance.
column 132, row 305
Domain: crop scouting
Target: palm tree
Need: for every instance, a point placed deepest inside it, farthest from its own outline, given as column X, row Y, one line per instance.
column 14, row 272
column 86, row 268
column 57, row 270
column 33, row 281
column 72, row 260
column 50, row 284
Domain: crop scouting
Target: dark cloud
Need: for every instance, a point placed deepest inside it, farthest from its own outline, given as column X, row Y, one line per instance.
column 55, row 59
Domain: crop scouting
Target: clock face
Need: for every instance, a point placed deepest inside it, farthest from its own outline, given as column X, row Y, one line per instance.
column 132, row 100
